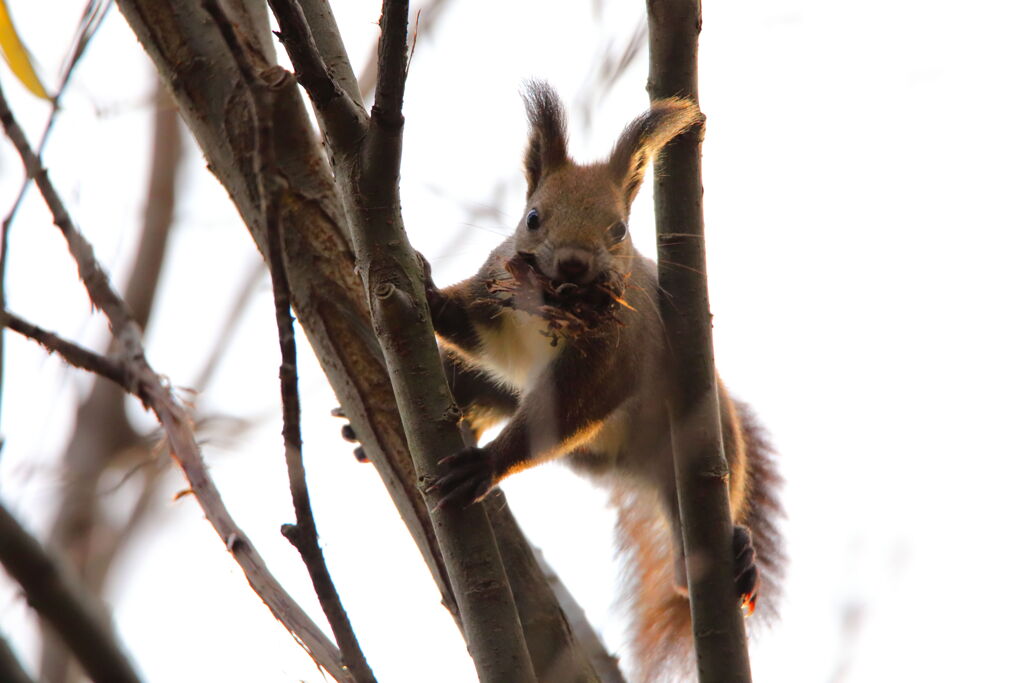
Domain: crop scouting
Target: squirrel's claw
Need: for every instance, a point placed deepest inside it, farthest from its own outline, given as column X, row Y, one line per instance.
column 747, row 578
column 467, row 477
column 349, row 434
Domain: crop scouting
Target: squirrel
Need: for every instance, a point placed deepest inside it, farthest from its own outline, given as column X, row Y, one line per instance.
column 560, row 334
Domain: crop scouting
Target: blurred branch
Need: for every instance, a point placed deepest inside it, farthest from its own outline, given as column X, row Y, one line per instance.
column 605, row 665
column 140, row 379
column 563, row 646
column 11, row 670
column 303, row 534
column 68, row 607
column 103, row 438
column 702, row 473
column 229, row 326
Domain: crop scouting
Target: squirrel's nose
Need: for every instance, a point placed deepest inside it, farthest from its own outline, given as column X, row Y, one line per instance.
column 574, row 265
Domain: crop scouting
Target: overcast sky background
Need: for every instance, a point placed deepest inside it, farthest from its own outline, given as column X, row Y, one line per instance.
column 863, row 168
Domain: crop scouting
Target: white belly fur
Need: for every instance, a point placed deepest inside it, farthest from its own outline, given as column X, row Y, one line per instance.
column 516, row 351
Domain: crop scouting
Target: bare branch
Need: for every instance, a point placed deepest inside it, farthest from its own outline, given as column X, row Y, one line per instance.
column 92, row 275
column 382, row 154
column 702, row 473
column 303, row 535
column 103, row 435
column 143, row 381
column 343, row 119
column 72, row 354
column 57, row 596
column 92, row 18
column 330, row 47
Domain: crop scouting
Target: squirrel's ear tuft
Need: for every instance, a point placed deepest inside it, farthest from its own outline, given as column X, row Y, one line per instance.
column 546, row 149
column 642, row 139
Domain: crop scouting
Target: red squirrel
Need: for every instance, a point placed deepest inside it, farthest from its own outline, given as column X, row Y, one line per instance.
column 559, row 333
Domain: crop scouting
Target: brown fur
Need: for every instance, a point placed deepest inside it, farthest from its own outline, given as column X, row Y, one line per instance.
column 595, row 393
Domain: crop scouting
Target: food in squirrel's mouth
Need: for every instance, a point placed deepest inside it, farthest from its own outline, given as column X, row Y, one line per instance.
column 570, row 309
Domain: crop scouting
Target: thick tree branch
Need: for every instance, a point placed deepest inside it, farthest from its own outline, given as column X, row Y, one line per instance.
column 701, row 470
column 57, row 596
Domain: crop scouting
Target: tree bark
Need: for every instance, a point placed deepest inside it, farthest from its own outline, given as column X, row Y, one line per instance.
column 701, row 471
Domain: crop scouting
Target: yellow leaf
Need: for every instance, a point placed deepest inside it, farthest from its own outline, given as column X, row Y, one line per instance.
column 16, row 55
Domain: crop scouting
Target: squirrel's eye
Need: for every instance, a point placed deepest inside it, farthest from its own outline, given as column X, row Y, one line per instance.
column 532, row 220
column 617, row 232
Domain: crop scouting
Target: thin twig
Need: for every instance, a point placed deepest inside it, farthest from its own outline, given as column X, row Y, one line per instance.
column 72, row 353
column 91, row 273
column 303, row 534
column 56, row 595
column 145, row 383
column 92, row 17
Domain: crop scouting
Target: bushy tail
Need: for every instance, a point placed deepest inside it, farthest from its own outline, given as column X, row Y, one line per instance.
column 659, row 616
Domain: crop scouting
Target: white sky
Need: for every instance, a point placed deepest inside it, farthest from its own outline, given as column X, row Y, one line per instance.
column 863, row 181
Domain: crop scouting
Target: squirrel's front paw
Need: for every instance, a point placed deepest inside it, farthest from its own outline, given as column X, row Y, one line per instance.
column 747, row 578
column 466, row 478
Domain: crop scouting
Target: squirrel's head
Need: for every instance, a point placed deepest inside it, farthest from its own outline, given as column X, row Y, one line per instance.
column 575, row 223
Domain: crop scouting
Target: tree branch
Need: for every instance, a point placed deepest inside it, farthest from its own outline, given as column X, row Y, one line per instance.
column 303, row 534
column 343, row 119
column 330, row 47
column 143, row 381
column 57, row 596
column 95, row 280
column 701, row 471
column 393, row 281
column 102, row 433
column 72, row 354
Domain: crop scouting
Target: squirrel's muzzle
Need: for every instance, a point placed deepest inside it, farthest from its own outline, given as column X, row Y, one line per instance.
column 573, row 264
